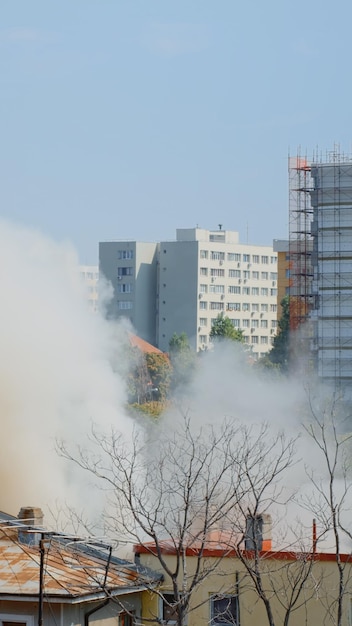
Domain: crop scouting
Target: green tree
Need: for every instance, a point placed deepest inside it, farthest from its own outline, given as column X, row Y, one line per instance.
column 223, row 328
column 183, row 360
column 160, row 370
column 279, row 354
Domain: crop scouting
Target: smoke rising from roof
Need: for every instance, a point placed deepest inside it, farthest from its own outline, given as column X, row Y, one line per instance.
column 56, row 374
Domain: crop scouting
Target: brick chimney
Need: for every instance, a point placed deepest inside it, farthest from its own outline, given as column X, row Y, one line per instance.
column 32, row 517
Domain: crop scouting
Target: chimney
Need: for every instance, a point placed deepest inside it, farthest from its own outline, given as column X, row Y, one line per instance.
column 258, row 532
column 32, row 517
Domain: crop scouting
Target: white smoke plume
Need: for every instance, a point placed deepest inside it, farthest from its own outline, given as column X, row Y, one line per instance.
column 56, row 373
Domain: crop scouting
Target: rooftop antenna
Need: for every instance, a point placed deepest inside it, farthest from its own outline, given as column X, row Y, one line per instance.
column 220, row 226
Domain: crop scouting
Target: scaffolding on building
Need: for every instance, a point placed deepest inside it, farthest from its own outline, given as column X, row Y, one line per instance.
column 320, row 249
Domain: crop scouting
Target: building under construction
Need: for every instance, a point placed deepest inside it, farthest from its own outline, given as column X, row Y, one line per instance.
column 320, row 251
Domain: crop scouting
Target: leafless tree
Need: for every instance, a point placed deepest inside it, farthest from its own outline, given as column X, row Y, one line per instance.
column 173, row 490
column 332, row 484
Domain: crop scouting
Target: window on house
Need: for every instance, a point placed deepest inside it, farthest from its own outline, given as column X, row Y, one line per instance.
column 245, row 323
column 255, row 291
column 234, row 289
column 203, row 321
column 203, row 338
column 273, row 323
column 255, row 258
column 204, row 271
column 255, row 307
column 217, row 256
column 233, row 256
column 255, row 275
column 217, row 306
column 169, row 610
column 273, row 308
column 125, row 254
column 246, row 258
column 16, row 620
column 124, row 271
column 265, row 260
column 234, row 273
column 263, row 339
column 264, row 308
column 236, row 323
column 234, row 306
column 224, row 610
column 254, row 339
column 124, row 305
column 216, row 289
column 264, row 291
column 203, row 305
column 273, row 292
column 217, row 272
column 265, row 275
column 263, row 323
column 203, row 288
column 204, row 254
column 254, row 323
column 124, row 288
column 246, row 274
column 273, row 275
column 246, row 306
column 125, row 619
column 273, row 259
column 246, row 291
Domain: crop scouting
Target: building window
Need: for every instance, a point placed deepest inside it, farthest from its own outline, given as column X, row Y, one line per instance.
column 217, row 272
column 263, row 323
column 246, row 291
column 236, row 323
column 203, row 338
column 273, row 308
column 273, row 259
column 255, row 258
column 125, row 254
column 204, row 254
column 263, row 339
column 254, row 323
column 124, row 288
column 255, row 291
column 203, row 305
column 234, row 306
column 217, row 306
column 273, row 323
column 255, row 308
column 264, row 291
column 273, row 292
column 264, row 308
column 246, row 258
column 217, row 256
column 216, row 289
column 224, row 610
column 233, row 256
column 246, row 274
column 124, row 271
column 203, row 271
column 16, row 620
column 125, row 619
column 265, row 260
column 265, row 275
column 203, row 321
column 124, row 305
column 273, row 275
column 234, row 289
column 254, row 339
column 246, row 339
column 245, row 323
column 234, row 273
column 169, row 610
column 203, row 288
column 246, row 306
column 255, row 275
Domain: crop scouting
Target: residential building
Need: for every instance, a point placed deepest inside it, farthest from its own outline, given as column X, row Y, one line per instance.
column 305, row 583
column 50, row 578
column 131, row 268
column 206, row 273
column 90, row 277
column 183, row 285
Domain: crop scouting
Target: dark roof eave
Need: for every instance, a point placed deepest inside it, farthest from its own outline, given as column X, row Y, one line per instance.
column 71, row 599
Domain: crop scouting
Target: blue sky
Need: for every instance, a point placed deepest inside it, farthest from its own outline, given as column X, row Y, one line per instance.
column 131, row 118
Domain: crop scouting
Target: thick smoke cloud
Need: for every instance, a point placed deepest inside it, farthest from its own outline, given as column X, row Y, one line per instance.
column 56, row 373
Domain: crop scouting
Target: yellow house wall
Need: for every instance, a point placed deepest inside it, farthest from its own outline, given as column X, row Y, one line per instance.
column 320, row 591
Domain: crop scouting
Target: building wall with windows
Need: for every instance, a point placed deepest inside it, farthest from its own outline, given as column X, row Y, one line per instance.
column 204, row 273
column 229, row 587
column 282, row 248
column 131, row 269
column 90, row 277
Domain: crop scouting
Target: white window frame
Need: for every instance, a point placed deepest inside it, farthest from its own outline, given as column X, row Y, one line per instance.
column 161, row 607
column 10, row 617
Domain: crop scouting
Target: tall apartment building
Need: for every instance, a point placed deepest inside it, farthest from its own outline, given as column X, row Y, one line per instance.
column 204, row 273
column 131, row 268
column 182, row 286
